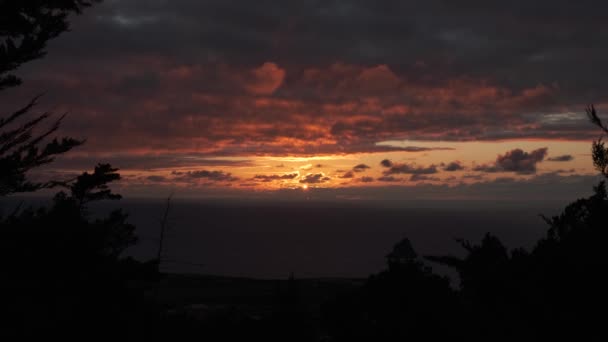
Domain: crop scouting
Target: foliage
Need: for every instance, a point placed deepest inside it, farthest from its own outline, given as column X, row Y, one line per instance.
column 21, row 150
column 599, row 152
column 64, row 273
column 406, row 301
column 551, row 292
column 70, row 265
column 556, row 291
column 25, row 29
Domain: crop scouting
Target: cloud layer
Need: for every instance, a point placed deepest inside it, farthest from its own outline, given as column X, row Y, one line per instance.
column 310, row 78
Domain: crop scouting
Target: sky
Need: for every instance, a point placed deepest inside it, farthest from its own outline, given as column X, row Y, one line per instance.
column 330, row 99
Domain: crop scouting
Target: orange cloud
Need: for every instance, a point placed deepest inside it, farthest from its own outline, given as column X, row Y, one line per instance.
column 265, row 79
column 229, row 109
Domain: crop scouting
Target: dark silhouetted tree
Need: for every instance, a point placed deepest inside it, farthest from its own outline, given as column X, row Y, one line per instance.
column 599, row 152
column 25, row 29
column 26, row 26
column 22, row 149
column 405, row 302
column 556, row 291
column 553, row 292
column 63, row 271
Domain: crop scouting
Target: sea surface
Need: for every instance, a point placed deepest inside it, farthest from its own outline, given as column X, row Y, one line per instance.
column 319, row 239
column 272, row 240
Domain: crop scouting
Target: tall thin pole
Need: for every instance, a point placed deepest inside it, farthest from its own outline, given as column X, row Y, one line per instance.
column 163, row 227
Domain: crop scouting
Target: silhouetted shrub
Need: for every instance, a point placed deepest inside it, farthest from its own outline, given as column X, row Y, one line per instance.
column 406, row 301
column 64, row 271
column 556, row 291
column 25, row 29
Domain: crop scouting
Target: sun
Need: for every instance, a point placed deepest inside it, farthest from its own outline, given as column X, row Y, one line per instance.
column 305, row 187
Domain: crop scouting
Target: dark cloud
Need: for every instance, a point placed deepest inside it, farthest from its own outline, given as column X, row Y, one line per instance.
column 562, row 158
column 477, row 177
column 415, row 148
column 237, row 78
column 157, row 179
column 453, row 166
column 411, row 169
column 348, row 174
column 517, row 161
column 549, row 190
column 561, row 188
column 361, row 168
column 389, row 179
column 521, row 162
column 271, row 178
column 565, row 171
column 504, row 39
column 422, row 177
column 487, row 168
column 386, row 163
column 315, row 178
column 366, row 179
column 212, row 176
column 146, row 161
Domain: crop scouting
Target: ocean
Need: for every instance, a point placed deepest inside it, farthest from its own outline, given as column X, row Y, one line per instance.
column 317, row 240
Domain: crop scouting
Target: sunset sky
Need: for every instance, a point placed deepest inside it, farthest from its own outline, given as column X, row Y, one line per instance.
column 337, row 99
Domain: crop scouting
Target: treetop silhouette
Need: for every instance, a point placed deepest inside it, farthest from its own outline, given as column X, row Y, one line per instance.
column 26, row 26
column 25, row 29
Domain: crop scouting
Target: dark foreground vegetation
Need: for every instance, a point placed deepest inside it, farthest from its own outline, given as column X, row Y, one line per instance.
column 64, row 274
